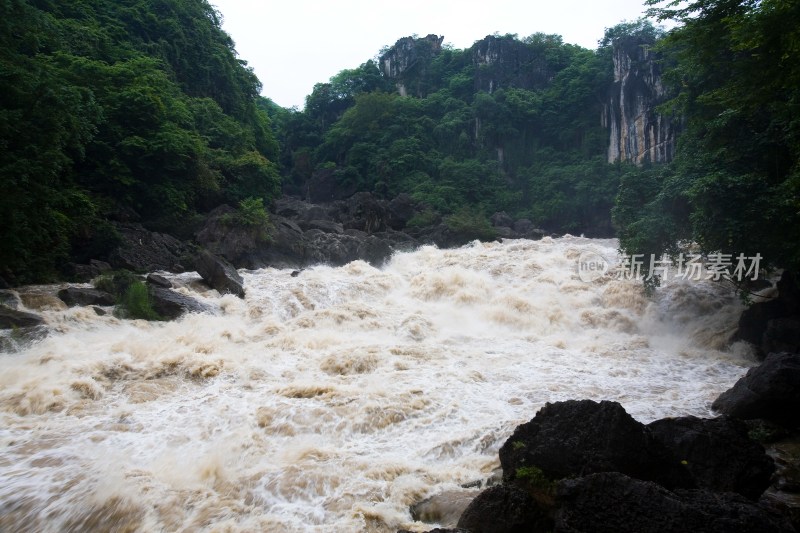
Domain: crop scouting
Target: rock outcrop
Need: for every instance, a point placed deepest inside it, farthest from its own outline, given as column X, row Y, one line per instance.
column 717, row 452
column 773, row 325
column 613, row 502
column 407, row 60
column 576, row 438
column 142, row 250
column 638, row 134
column 12, row 318
column 504, row 61
column 170, row 304
column 73, row 296
column 219, row 274
column 581, row 466
column 769, row 391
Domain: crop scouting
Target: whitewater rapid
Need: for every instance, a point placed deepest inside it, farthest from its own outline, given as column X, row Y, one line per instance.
column 332, row 400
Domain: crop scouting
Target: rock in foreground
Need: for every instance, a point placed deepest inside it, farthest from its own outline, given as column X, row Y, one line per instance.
column 770, row 391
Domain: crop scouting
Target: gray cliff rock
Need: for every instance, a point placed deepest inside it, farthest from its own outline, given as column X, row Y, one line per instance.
column 638, row 134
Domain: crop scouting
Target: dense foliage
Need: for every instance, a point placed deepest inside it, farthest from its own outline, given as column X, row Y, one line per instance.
column 734, row 186
column 470, row 133
column 128, row 111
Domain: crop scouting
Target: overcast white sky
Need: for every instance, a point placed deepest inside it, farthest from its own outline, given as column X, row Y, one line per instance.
column 293, row 44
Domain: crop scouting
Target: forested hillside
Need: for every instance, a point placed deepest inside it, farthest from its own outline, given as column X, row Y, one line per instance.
column 510, row 124
column 119, row 111
column 141, row 111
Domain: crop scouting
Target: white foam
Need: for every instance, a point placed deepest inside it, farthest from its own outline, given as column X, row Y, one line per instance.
column 334, row 399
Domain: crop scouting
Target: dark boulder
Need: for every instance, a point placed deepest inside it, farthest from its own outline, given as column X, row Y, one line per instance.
column 73, row 296
column 141, row 250
column 287, row 247
column 328, row 226
column 402, row 208
column 11, row 319
column 219, row 274
column 362, row 211
column 299, row 210
column 782, row 335
column 10, row 298
column 576, row 438
column 501, row 218
column 612, row 502
column 159, row 280
column 506, row 509
column 170, row 304
column 770, row 391
column 717, row 453
column 774, row 325
column 444, row 508
column 334, row 249
column 236, row 243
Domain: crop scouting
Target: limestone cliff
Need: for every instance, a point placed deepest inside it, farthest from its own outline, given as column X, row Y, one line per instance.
column 407, row 60
column 637, row 132
column 507, row 62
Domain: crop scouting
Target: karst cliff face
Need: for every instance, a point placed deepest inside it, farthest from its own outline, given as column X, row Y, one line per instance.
column 637, row 132
column 408, row 59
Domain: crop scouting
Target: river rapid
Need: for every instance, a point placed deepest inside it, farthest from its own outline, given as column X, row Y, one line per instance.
column 332, row 400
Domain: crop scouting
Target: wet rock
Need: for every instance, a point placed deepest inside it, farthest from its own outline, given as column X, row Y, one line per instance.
column 444, row 508
column 717, row 452
column 20, row 338
column 238, row 244
column 575, row 438
column 501, row 219
column 336, row 249
column 73, row 296
column 12, row 318
column 612, row 502
column 328, row 226
column 782, row 335
column 774, row 325
column 402, row 208
column 506, row 509
column 170, row 304
column 159, row 281
column 299, row 210
column 143, row 251
column 770, row 391
column 219, row 274
column 10, row 298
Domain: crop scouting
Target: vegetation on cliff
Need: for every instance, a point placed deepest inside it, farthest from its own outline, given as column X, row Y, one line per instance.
column 132, row 111
column 734, row 186
column 141, row 111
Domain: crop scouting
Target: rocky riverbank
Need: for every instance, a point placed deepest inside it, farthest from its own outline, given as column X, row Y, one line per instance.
column 581, row 466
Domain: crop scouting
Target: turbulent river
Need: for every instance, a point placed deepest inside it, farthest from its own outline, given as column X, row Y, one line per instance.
column 332, row 400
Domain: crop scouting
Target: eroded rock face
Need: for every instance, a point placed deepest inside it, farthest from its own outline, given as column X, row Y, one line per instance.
column 576, row 438
column 171, row 305
column 11, row 318
column 409, row 55
column 505, row 509
column 219, row 274
column 144, row 251
column 73, row 296
column 638, row 134
column 717, row 452
column 613, row 502
column 770, row 391
column 508, row 62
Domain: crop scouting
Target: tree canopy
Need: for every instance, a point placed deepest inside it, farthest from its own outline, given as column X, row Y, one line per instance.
column 123, row 111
